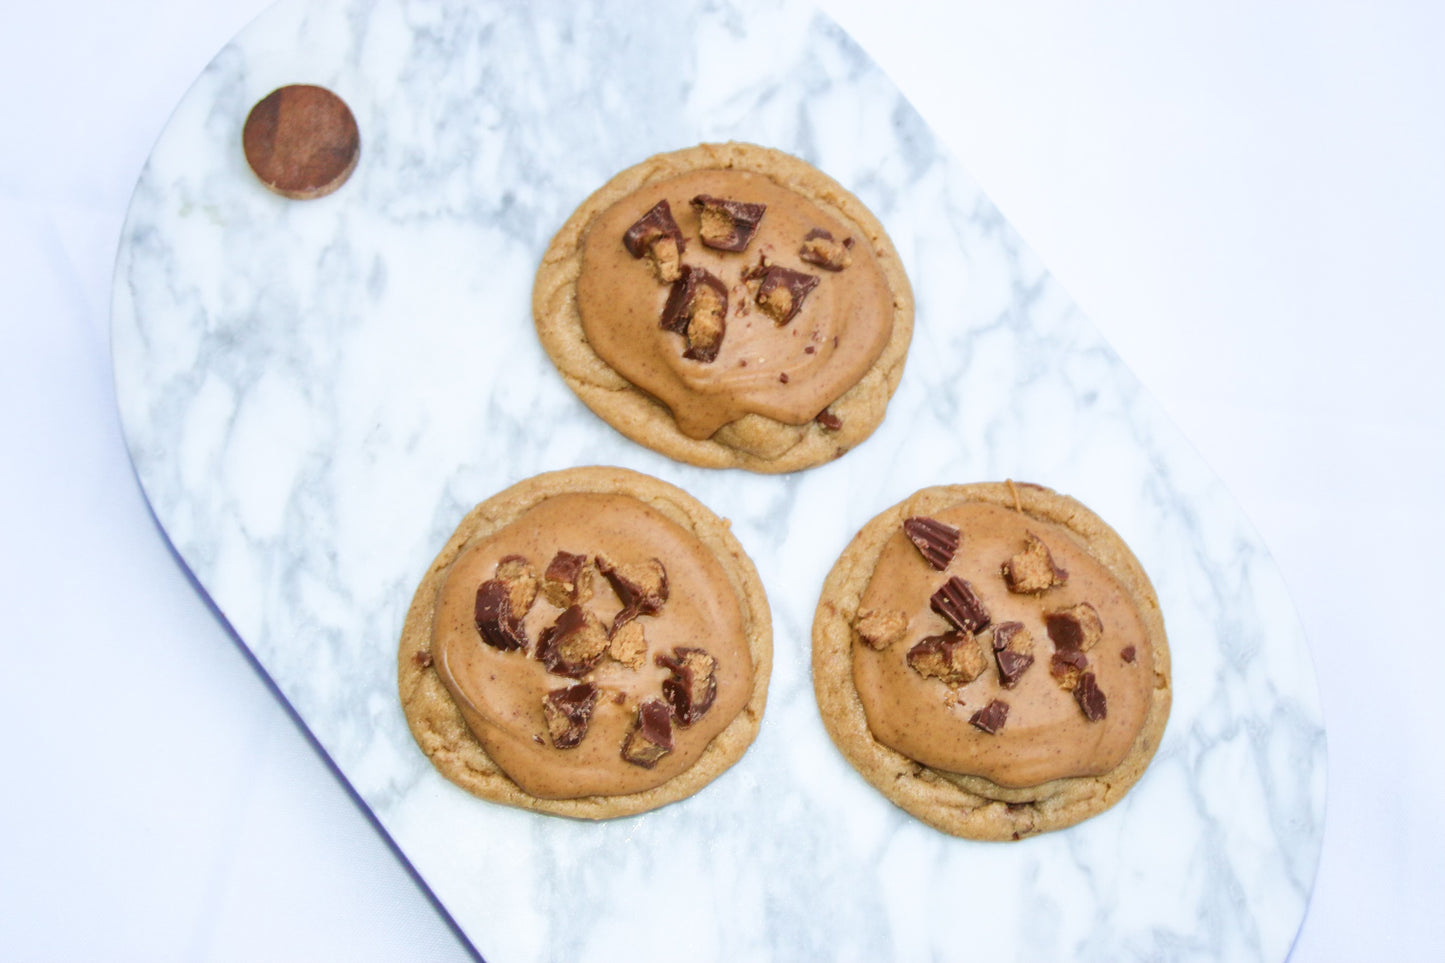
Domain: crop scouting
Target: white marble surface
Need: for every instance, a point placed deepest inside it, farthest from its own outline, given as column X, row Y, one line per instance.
column 174, row 854
column 313, row 394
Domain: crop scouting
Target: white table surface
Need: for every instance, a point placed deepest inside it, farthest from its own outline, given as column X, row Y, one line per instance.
column 1247, row 199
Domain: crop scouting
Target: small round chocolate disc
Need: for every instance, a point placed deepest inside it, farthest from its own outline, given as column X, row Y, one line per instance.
column 302, row 141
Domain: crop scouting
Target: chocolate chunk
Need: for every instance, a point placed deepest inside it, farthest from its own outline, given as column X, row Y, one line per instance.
column 783, row 377
column 1033, row 569
column 697, row 308
column 827, row 420
column 692, row 687
column 880, row 628
column 783, row 291
column 568, row 580
column 725, row 224
column 628, row 645
column 499, row 628
column 936, row 541
column 656, row 236
column 1012, row 647
column 1090, row 698
column 954, row 658
column 957, row 602
column 1067, row 667
column 568, row 712
column 1127, row 653
column 991, row 717
column 573, row 644
column 422, row 659
column 651, row 736
column 819, row 248
column 641, row 587
column 1076, row 627
column 521, row 582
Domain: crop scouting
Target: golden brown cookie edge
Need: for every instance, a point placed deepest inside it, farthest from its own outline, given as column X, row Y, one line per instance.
column 969, row 806
column 437, row 724
column 640, row 416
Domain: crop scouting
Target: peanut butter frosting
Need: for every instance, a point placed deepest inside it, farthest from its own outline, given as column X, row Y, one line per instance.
column 501, row 693
column 1046, row 735
column 787, row 370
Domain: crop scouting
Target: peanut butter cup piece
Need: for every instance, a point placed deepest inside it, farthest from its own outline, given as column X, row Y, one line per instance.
column 954, row 658
column 656, row 236
column 821, row 249
column 1033, row 570
column 782, row 292
column 1090, row 699
column 651, row 735
column 521, row 581
column 641, row 587
column 301, row 140
column 1067, row 667
column 991, row 717
column 697, row 308
column 568, row 580
column 1012, row 650
column 726, row 224
column 499, row 627
column 692, row 687
column 1011, row 665
column 935, row 541
column 568, row 712
column 880, row 628
column 960, row 604
column 628, row 644
column 573, row 644
column 1076, row 627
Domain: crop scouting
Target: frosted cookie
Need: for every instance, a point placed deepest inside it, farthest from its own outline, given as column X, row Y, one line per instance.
column 589, row 643
column 729, row 306
column 992, row 658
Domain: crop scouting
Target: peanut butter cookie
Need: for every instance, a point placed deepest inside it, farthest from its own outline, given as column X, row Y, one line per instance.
column 992, row 658
column 589, row 643
column 729, row 306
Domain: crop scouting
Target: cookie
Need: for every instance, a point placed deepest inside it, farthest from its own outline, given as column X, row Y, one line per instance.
column 992, row 658
column 301, row 141
column 589, row 643
column 729, row 306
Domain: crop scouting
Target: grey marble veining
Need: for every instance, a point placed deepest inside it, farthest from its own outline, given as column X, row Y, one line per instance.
column 314, row 393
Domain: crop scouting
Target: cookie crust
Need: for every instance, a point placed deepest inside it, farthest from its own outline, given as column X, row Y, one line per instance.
column 753, row 442
column 436, row 722
column 970, row 806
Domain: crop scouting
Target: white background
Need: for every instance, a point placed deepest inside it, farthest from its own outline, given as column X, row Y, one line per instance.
column 1248, row 199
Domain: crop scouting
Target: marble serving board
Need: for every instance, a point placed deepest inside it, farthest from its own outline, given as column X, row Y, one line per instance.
column 315, row 392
